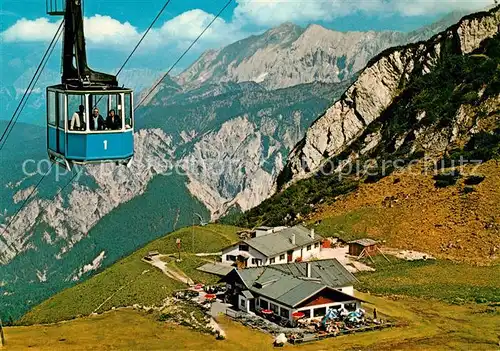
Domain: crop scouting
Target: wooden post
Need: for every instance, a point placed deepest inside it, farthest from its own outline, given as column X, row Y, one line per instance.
column 192, row 237
column 178, row 242
column 2, row 336
column 383, row 254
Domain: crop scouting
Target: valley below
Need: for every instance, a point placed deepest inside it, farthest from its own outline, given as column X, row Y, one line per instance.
column 435, row 304
column 287, row 127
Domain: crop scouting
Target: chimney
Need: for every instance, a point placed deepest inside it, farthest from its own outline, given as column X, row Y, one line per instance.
column 312, row 233
column 308, row 270
column 292, row 239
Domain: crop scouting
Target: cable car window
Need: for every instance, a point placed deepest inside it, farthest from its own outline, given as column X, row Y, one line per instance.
column 114, row 115
column 98, row 112
column 61, row 110
column 76, row 120
column 52, row 108
column 113, row 102
column 128, row 112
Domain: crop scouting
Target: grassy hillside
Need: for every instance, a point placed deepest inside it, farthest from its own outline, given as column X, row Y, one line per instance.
column 166, row 203
column 443, row 214
column 131, row 281
column 455, row 283
column 406, row 209
column 425, row 325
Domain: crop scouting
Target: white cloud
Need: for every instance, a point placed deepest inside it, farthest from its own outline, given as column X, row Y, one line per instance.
column 104, row 31
column 26, row 30
column 426, row 7
column 273, row 12
column 190, row 24
column 99, row 30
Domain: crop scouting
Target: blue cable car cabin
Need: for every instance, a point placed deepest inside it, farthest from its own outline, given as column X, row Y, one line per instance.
column 83, row 90
column 90, row 142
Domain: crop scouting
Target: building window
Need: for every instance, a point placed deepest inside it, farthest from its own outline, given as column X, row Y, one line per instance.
column 230, row 258
column 316, row 245
column 308, row 248
column 319, row 312
column 350, row 306
column 273, row 307
column 263, row 304
column 243, row 247
column 285, row 313
column 256, row 261
column 282, row 257
column 272, row 260
column 307, row 313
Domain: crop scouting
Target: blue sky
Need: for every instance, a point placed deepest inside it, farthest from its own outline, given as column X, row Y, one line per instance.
column 113, row 26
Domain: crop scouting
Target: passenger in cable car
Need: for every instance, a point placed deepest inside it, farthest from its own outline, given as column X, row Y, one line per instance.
column 78, row 119
column 96, row 120
column 113, row 121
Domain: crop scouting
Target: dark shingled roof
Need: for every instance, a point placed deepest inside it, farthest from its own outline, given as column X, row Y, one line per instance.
column 330, row 272
column 280, row 242
column 288, row 284
column 364, row 242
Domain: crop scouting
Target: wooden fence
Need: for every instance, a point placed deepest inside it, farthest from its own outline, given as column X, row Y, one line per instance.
column 232, row 313
column 316, row 337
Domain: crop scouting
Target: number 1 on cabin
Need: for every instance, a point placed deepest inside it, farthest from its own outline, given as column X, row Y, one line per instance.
column 105, row 144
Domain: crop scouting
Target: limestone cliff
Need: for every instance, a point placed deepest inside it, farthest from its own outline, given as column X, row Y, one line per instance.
column 377, row 87
column 289, row 55
column 72, row 218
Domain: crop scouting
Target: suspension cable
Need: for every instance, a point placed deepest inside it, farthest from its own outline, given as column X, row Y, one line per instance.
column 149, row 93
column 144, row 36
column 26, row 100
column 183, row 54
column 33, row 81
column 13, row 218
column 138, row 44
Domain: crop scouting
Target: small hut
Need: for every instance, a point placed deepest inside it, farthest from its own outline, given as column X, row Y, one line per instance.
column 362, row 247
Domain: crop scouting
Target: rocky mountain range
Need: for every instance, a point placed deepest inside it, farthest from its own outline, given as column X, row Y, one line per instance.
column 290, row 55
column 234, row 137
column 409, row 155
column 379, row 86
column 229, row 137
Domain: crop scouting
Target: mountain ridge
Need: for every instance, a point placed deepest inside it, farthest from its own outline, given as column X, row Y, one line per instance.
column 292, row 61
column 376, row 88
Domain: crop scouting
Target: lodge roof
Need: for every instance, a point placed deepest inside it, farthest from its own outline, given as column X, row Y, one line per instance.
column 288, row 284
column 364, row 242
column 330, row 272
column 280, row 242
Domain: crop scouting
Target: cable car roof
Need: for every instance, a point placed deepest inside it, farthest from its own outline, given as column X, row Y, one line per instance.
column 98, row 89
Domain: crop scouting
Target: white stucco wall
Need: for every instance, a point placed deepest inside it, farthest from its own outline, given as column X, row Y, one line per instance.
column 251, row 253
column 335, row 304
column 349, row 290
column 300, row 252
column 243, row 303
column 288, row 316
column 310, row 308
column 297, row 253
column 314, row 252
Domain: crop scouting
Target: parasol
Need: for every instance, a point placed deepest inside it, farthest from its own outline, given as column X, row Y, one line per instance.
column 298, row 315
column 210, row 296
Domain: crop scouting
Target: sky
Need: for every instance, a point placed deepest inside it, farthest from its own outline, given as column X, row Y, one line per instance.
column 113, row 27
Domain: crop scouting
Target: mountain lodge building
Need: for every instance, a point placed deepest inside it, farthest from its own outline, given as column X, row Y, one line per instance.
column 278, row 246
column 308, row 287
